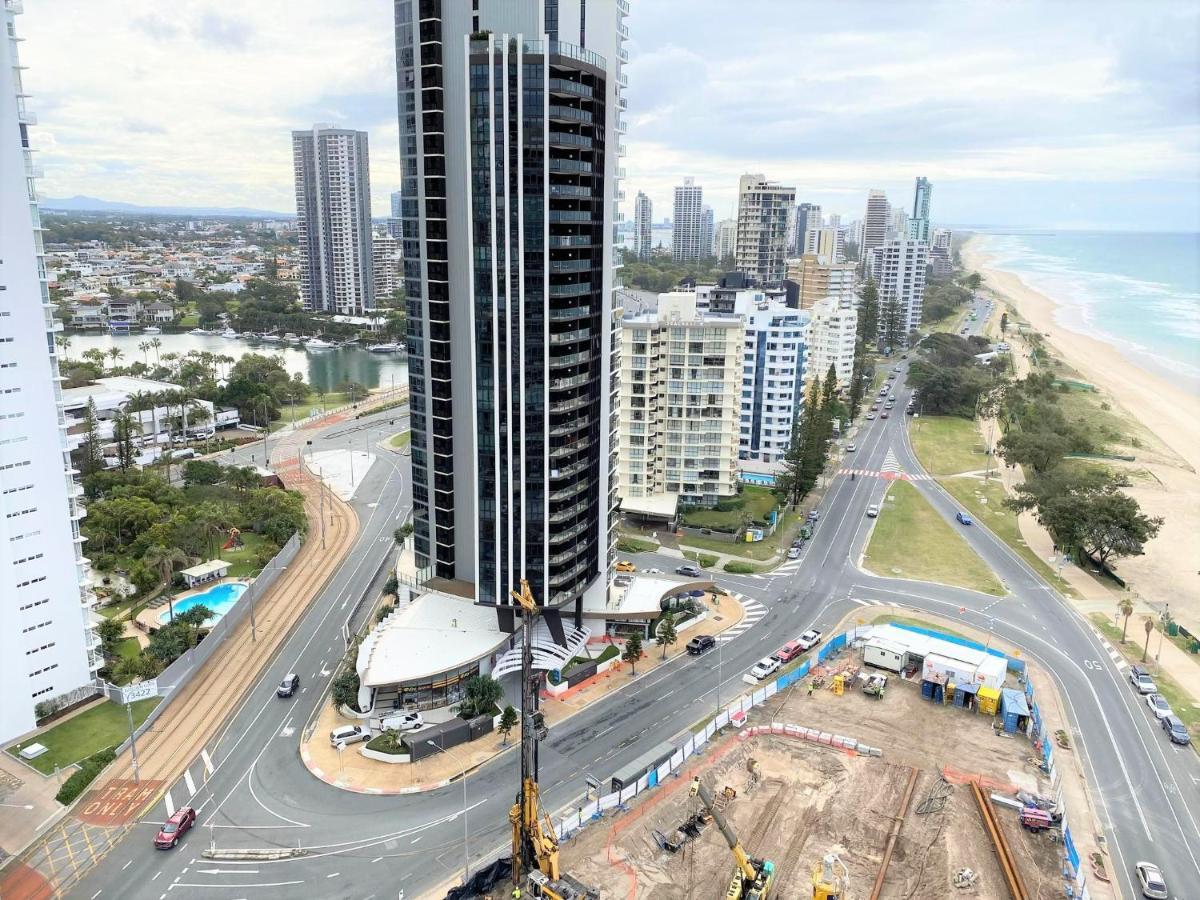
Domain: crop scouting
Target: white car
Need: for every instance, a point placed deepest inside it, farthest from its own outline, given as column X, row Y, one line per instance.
column 1151, row 881
column 1158, row 705
column 349, row 734
column 765, row 667
column 872, row 512
column 793, row 553
column 402, row 722
column 651, row 571
column 850, row 448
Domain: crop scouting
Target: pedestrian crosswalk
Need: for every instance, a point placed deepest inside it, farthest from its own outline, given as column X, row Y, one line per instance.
column 861, row 602
column 182, row 792
column 752, row 612
column 787, row 568
column 1113, row 653
column 884, row 473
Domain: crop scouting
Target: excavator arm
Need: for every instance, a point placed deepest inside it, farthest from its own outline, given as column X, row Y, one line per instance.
column 740, row 856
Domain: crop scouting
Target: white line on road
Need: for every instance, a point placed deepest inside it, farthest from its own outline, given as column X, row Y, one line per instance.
column 170, row 802
column 377, row 859
column 227, row 871
column 97, row 894
column 225, row 887
column 156, row 874
column 208, row 763
column 191, row 785
column 128, row 863
column 333, row 874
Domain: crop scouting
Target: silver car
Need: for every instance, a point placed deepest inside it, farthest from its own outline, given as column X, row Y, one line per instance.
column 1151, row 881
column 1158, row 705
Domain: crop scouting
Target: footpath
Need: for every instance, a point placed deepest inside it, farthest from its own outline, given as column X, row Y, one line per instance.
column 62, row 852
column 349, row 770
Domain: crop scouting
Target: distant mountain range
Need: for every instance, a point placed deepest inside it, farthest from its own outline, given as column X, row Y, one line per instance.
column 93, row 204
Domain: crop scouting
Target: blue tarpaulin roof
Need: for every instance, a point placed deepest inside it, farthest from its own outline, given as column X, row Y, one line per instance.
column 968, row 687
column 1012, row 701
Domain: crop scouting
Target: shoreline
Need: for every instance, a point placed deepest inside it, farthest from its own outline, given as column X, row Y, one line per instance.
column 1165, row 409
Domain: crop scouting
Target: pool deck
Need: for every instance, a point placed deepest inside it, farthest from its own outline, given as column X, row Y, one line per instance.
column 147, row 620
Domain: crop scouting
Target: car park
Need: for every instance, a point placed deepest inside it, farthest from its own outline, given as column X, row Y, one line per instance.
column 289, row 686
column 872, row 512
column 1158, row 705
column 1141, row 680
column 1175, row 729
column 410, row 721
column 765, row 667
column 626, row 566
column 179, row 823
column 963, row 518
column 700, row 644
column 689, row 570
column 349, row 734
column 1151, row 881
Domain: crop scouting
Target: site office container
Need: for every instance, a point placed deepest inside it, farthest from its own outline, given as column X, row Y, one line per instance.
column 956, row 670
column 992, row 671
column 884, row 655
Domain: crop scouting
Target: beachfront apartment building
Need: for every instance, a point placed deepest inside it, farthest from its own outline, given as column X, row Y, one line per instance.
column 817, row 277
column 941, row 254
column 512, row 326
column 725, row 239
column 681, row 378
column 918, row 224
column 898, row 269
column 832, row 335
column 876, row 221
column 49, row 649
column 827, row 242
column 331, row 167
column 387, row 266
column 762, row 226
column 774, row 367
column 687, row 223
column 642, row 218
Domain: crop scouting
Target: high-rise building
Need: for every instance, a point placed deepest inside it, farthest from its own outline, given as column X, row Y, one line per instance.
column 687, row 224
column 831, row 338
column 679, row 416
column 393, row 222
column 642, row 211
column 827, row 242
column 763, row 209
column 774, row 362
column 918, row 225
column 898, row 268
column 808, row 218
column 899, row 226
column 706, row 231
column 333, row 216
column 834, row 220
column 818, row 277
column 876, row 221
column 386, row 265
column 48, row 648
column 725, row 239
column 941, row 262
column 395, row 197
column 510, row 133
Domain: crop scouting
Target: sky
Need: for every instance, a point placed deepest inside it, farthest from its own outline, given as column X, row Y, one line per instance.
column 1054, row 114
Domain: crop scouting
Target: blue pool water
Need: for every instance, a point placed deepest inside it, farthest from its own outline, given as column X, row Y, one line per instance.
column 219, row 599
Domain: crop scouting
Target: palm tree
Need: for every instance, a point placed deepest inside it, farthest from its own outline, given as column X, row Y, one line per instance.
column 144, row 346
column 115, row 354
column 156, row 343
column 163, row 560
column 1125, row 605
column 1148, row 624
column 213, row 519
column 64, row 344
column 95, row 356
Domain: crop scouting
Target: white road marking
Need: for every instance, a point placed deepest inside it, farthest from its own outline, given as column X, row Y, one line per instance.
column 170, row 802
column 191, row 785
column 156, row 874
column 208, row 763
column 333, row 874
column 127, row 865
column 224, row 887
column 97, row 894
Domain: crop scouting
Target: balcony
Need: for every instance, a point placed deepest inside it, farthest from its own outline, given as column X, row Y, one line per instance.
column 572, row 217
column 559, row 516
column 569, row 471
column 567, row 139
column 561, row 537
column 570, row 192
column 579, row 289
column 570, row 337
column 571, row 88
column 560, row 113
column 561, row 451
column 565, row 384
column 560, row 578
column 571, row 359
column 568, row 493
column 570, row 166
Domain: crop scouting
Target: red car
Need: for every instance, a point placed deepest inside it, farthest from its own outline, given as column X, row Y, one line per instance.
column 175, row 828
column 884, row 414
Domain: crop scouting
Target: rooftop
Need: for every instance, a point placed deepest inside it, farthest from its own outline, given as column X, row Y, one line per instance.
column 204, row 569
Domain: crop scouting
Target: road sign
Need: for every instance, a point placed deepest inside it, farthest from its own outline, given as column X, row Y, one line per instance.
column 592, row 783
column 143, row 691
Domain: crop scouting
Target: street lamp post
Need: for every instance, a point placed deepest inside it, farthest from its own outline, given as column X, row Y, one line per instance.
column 466, row 833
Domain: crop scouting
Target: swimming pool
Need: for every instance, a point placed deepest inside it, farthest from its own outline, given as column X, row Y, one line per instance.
column 219, row 599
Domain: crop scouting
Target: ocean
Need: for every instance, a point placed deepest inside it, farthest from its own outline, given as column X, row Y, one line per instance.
column 1139, row 292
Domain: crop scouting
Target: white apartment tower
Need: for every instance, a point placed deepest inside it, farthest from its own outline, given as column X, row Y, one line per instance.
column 386, row 265
column 680, row 381
column 642, row 213
column 333, row 216
column 763, row 210
column 808, row 220
column 48, row 648
column 687, row 225
column 899, row 272
column 773, row 371
column 725, row 238
column 832, row 335
column 876, row 221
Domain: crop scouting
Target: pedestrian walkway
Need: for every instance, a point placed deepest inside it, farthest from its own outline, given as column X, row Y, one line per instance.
column 753, row 612
column 887, row 474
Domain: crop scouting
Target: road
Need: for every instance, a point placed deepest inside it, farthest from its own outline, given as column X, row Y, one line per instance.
column 361, row 846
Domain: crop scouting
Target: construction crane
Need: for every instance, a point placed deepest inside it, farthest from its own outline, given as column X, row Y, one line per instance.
column 752, row 877
column 830, row 878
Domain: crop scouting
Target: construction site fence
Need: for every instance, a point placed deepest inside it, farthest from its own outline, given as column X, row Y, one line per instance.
column 175, row 676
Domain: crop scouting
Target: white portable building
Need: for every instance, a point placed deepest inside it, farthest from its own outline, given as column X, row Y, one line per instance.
column 883, row 654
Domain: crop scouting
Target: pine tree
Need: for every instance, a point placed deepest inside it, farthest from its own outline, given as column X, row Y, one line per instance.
column 790, row 480
column 123, row 434
column 868, row 317
column 633, row 651
column 91, row 453
column 813, row 452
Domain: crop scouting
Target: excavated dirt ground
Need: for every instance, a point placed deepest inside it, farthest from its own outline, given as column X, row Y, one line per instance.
column 812, row 799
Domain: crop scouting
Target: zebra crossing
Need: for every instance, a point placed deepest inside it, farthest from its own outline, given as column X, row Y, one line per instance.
column 752, row 612
column 861, row 602
column 1113, row 653
column 884, row 473
column 186, row 787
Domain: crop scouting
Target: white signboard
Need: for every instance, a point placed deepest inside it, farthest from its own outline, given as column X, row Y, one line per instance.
column 143, row 691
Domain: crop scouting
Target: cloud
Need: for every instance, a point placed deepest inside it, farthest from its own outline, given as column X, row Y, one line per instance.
column 1016, row 111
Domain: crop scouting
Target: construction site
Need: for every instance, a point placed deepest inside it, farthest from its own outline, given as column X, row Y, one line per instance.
column 819, row 821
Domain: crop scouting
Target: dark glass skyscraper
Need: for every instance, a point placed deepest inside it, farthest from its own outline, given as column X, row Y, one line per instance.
column 509, row 128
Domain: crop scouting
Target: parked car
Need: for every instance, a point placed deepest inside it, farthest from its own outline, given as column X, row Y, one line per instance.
column 175, row 827
column 765, row 667
column 689, row 570
column 402, row 722
column 289, row 686
column 788, row 651
column 1151, row 881
column 626, row 566
column 851, row 447
column 349, row 734
column 652, row 571
column 813, row 515
column 701, row 643
column 793, row 553
column 1175, row 729
column 809, row 639
column 1141, row 680
column 1158, row 705
column 872, row 512
column 910, row 411
column 963, row 518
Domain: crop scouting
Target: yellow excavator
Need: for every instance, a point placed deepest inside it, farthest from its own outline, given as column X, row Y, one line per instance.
column 752, row 877
column 830, row 878
column 534, row 840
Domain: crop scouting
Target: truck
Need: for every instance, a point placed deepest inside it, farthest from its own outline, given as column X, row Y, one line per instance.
column 809, row 639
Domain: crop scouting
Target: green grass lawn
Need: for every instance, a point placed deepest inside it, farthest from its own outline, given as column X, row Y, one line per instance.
column 947, row 445
column 911, row 540
column 401, row 440
column 117, row 610
column 1182, row 703
column 244, row 561
column 629, row 544
column 754, row 504
column 758, row 550
column 1002, row 521
column 105, row 725
column 126, row 649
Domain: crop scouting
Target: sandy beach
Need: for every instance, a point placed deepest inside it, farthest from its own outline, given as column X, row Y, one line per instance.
column 1168, row 572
